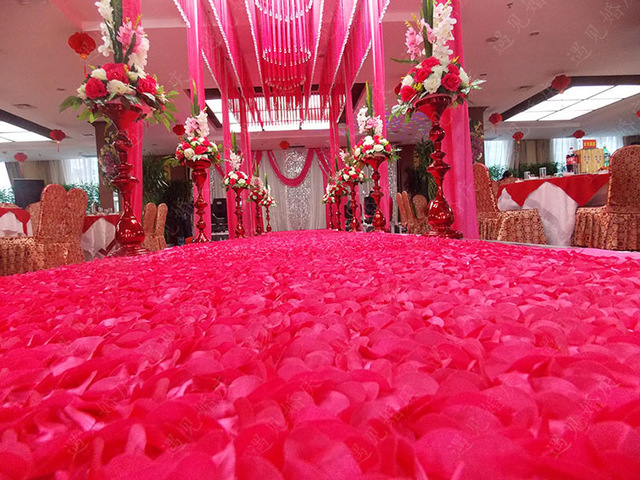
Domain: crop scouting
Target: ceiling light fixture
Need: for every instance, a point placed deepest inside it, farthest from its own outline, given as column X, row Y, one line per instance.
column 585, row 95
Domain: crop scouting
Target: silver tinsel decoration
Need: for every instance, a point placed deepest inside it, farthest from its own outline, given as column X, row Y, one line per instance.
column 298, row 197
column 393, row 189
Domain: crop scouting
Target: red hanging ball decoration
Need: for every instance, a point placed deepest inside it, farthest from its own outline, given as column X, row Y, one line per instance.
column 579, row 134
column 57, row 135
column 518, row 136
column 179, row 130
column 284, row 144
column 20, row 157
column 638, row 113
column 561, row 83
column 495, row 118
column 82, row 44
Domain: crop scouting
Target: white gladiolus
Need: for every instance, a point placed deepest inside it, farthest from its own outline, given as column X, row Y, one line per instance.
column 407, row 81
column 105, row 10
column 100, row 74
column 464, row 77
column 432, row 83
column 189, row 153
column 357, row 152
column 119, row 88
column 378, row 148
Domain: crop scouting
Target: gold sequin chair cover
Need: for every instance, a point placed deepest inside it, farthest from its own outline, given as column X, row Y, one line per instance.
column 404, row 218
column 161, row 220
column 615, row 226
column 522, row 226
column 415, row 225
column 56, row 239
column 148, row 224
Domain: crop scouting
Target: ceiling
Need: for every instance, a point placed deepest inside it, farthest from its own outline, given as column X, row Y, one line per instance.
column 518, row 47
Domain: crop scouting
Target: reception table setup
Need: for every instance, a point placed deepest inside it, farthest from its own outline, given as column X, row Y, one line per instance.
column 557, row 199
column 14, row 221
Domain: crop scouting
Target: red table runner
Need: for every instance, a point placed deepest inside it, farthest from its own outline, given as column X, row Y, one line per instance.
column 22, row 215
column 579, row 187
column 89, row 220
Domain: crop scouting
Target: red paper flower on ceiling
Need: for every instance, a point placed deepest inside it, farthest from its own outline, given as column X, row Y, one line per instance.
column 579, row 134
column 82, row 44
column 20, row 157
column 495, row 118
column 284, row 145
column 179, row 130
column 518, row 136
column 57, row 135
column 561, row 83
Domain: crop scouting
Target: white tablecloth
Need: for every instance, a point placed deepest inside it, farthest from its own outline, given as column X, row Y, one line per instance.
column 10, row 226
column 556, row 208
column 97, row 237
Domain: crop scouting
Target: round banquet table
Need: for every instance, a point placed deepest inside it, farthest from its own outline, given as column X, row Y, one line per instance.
column 99, row 233
column 14, row 222
column 556, row 199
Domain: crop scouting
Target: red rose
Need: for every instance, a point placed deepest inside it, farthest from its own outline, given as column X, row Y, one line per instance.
column 95, row 89
column 116, row 71
column 185, row 145
column 206, row 142
column 430, row 62
column 179, row 154
column 200, row 149
column 147, row 85
column 421, row 75
column 397, row 89
column 451, row 82
column 407, row 93
column 453, row 68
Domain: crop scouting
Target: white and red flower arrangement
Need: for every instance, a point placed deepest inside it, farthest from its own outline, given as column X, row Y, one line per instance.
column 256, row 190
column 352, row 174
column 124, row 80
column 236, row 179
column 268, row 201
column 438, row 73
column 195, row 145
column 373, row 142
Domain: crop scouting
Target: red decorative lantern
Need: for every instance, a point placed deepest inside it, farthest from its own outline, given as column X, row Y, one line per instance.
column 82, row 44
column 495, row 118
column 638, row 113
column 57, row 135
column 20, row 157
column 179, row 129
column 561, row 83
column 284, row 144
column 578, row 134
column 518, row 136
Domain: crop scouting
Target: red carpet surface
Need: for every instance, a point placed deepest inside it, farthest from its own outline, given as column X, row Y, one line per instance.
column 324, row 355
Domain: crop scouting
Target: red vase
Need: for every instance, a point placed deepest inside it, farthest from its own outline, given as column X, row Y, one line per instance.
column 374, row 161
column 129, row 232
column 268, row 220
column 239, row 227
column 199, row 176
column 338, row 216
column 259, row 226
column 439, row 213
column 355, row 224
column 331, row 216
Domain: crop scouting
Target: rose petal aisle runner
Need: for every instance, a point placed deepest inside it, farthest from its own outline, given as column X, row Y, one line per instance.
column 324, row 355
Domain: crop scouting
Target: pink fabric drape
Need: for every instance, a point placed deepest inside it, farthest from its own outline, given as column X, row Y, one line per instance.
column 196, row 75
column 291, row 182
column 458, row 184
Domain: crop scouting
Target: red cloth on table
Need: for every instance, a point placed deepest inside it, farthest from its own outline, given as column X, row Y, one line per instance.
column 579, row 187
column 89, row 220
column 22, row 215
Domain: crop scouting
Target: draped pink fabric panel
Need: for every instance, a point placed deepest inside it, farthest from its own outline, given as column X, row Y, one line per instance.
column 458, row 184
column 291, row 182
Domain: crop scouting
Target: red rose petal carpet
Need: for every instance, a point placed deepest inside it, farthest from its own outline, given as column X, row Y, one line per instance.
column 324, row 355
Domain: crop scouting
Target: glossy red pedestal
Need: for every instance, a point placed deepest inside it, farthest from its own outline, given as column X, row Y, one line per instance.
column 331, row 226
column 129, row 232
column 338, row 216
column 439, row 213
column 374, row 161
column 268, row 220
column 355, row 224
column 199, row 176
column 239, row 231
column 259, row 226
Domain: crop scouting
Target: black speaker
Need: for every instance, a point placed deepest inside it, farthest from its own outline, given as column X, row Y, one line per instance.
column 27, row 191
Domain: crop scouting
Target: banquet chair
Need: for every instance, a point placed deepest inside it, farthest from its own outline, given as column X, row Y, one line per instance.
column 55, row 241
column 404, row 217
column 414, row 225
column 615, row 226
column 153, row 223
column 34, row 213
column 522, row 226
column 505, row 181
column 161, row 220
column 420, row 203
column 148, row 224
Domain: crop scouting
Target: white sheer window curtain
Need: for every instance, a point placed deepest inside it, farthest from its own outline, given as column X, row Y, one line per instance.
column 80, row 170
column 4, row 177
column 498, row 153
column 560, row 146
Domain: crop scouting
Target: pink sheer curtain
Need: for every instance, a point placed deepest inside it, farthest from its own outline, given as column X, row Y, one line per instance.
column 291, row 182
column 458, row 184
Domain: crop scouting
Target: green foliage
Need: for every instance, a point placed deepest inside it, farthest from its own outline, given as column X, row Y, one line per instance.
column 179, row 199
column 418, row 180
column 154, row 179
column 6, row 195
column 496, row 172
column 92, row 190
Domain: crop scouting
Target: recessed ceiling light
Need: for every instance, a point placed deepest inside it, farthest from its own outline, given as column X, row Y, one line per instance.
column 493, row 39
column 534, row 34
column 24, row 106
